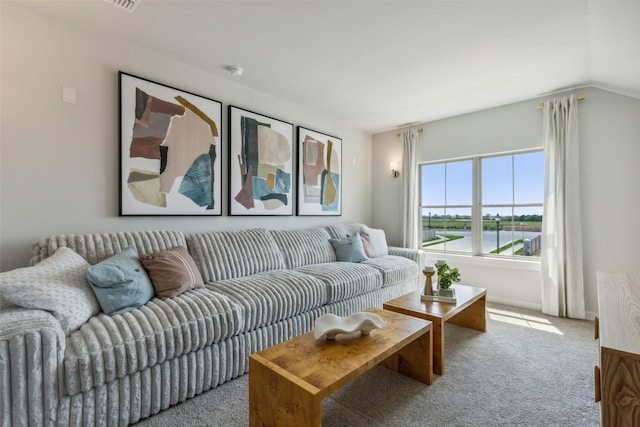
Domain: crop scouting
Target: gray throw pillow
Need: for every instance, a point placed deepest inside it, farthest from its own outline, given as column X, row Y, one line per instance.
column 349, row 249
column 120, row 282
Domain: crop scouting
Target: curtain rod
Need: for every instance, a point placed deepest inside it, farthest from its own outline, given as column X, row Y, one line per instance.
column 540, row 105
column 419, row 131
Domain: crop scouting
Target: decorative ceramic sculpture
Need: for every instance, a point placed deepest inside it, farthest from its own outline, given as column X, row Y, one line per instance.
column 331, row 325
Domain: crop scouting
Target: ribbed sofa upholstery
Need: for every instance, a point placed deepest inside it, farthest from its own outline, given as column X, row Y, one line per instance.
column 261, row 287
column 230, row 254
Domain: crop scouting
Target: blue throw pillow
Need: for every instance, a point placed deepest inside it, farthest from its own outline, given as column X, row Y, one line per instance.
column 120, row 283
column 349, row 249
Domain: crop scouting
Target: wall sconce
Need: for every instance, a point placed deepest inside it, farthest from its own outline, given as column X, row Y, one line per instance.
column 394, row 169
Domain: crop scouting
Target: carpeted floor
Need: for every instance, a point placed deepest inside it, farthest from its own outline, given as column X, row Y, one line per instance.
column 527, row 369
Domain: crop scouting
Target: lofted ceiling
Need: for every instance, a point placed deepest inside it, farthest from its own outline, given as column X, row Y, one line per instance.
column 378, row 65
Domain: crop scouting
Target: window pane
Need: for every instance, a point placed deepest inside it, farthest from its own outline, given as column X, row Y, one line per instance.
column 433, row 184
column 529, row 177
column 458, row 230
column 459, row 183
column 497, row 180
column 433, row 228
column 450, row 229
column 528, row 228
column 497, row 236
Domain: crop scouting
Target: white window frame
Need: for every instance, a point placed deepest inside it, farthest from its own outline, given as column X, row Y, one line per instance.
column 477, row 206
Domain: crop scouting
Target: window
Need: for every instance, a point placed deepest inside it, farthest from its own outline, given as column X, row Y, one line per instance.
column 447, row 202
column 497, row 213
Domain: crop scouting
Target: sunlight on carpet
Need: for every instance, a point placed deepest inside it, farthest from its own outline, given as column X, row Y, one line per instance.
column 524, row 320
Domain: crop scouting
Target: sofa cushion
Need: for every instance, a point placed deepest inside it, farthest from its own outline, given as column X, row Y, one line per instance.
column 344, row 280
column 58, row 285
column 110, row 347
column 349, row 249
column 172, row 272
column 226, row 255
column 120, row 283
column 304, row 247
column 98, row 247
column 272, row 296
column 394, row 269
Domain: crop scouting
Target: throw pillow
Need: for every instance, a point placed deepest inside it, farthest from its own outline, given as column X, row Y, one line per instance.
column 172, row 272
column 57, row 284
column 120, row 282
column 349, row 249
column 368, row 247
column 378, row 240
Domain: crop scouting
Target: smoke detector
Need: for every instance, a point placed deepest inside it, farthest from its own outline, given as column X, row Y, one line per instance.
column 128, row 5
column 235, row 70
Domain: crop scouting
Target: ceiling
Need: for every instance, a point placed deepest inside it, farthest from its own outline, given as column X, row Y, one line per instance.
column 379, row 65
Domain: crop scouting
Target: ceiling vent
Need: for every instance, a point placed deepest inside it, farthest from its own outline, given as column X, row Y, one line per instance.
column 128, row 5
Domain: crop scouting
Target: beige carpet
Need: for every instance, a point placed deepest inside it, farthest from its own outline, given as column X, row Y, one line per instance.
column 527, row 369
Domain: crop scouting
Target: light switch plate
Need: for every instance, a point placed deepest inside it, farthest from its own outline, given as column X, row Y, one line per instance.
column 69, row 95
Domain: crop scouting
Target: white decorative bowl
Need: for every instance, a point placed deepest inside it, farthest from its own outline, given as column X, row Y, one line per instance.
column 330, row 325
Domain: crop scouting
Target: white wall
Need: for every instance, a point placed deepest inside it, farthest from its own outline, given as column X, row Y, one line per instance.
column 59, row 161
column 610, row 174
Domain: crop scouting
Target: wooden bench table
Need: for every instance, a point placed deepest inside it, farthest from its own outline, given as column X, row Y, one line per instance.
column 470, row 310
column 288, row 381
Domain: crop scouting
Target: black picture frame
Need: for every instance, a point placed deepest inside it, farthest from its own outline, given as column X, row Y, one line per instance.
column 319, row 188
column 260, row 164
column 170, row 153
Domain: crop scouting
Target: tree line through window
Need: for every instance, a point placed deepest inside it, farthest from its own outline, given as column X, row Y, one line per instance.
column 497, row 213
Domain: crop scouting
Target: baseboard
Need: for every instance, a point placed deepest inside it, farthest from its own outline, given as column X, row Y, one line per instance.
column 515, row 303
column 588, row 315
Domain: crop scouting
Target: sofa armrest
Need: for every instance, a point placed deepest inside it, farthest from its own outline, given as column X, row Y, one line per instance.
column 17, row 321
column 417, row 255
column 32, row 347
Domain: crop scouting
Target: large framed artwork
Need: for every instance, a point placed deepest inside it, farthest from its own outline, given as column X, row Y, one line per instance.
column 260, row 164
column 169, row 150
column 319, row 173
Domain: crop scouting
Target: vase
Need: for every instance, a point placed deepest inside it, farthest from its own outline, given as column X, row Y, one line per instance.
column 428, row 283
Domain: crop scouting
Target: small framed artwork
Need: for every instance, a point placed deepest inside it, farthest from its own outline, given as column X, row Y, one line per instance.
column 319, row 173
column 260, row 164
column 169, row 150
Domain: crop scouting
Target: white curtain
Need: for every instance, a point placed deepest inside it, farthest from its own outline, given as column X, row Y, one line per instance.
column 562, row 274
column 410, row 189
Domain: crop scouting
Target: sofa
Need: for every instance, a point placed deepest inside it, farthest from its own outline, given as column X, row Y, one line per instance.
column 261, row 287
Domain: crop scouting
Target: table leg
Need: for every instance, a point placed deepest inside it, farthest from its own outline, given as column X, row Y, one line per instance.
column 474, row 316
column 438, row 346
column 414, row 360
column 275, row 400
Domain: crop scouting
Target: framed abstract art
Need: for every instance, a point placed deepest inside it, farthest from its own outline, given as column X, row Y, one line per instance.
column 260, row 164
column 319, row 173
column 169, row 150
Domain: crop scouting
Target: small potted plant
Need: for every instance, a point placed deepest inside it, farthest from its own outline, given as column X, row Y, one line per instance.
column 446, row 277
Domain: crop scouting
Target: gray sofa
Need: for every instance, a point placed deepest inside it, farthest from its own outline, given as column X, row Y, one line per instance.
column 262, row 287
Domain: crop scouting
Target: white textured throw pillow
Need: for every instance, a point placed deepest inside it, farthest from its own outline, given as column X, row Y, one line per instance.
column 57, row 284
column 377, row 239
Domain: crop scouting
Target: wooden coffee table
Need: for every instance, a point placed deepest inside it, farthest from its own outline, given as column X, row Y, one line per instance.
column 470, row 311
column 288, row 381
